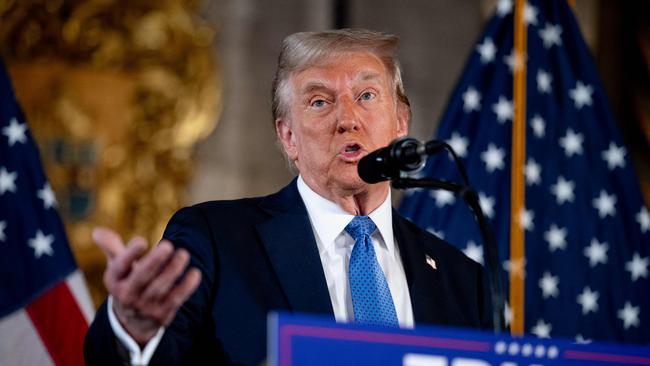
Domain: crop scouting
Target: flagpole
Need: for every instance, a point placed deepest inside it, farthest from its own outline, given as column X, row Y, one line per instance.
column 517, row 194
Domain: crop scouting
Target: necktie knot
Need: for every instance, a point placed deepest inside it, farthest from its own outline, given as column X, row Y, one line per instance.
column 360, row 226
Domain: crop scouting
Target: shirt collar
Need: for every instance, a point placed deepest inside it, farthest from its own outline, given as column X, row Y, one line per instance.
column 329, row 219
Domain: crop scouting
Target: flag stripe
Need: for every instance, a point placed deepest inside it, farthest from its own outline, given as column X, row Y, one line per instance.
column 60, row 323
column 517, row 240
column 77, row 286
column 20, row 343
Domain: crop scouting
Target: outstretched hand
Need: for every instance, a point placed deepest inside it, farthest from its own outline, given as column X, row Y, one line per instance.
column 147, row 288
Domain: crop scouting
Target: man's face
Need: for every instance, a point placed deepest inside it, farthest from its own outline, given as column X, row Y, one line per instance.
column 339, row 112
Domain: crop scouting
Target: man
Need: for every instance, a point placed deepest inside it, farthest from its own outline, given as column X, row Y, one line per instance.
column 337, row 96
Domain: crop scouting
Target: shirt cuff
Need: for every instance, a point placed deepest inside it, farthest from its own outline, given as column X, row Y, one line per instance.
column 139, row 357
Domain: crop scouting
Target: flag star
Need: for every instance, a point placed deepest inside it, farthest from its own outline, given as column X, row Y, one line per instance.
column 7, row 181
column 548, row 283
column 533, row 172
column 507, row 314
column 526, row 219
column 581, row 94
column 539, row 126
column 3, row 226
column 15, row 132
column 487, row 50
column 544, row 80
column 530, row 14
column 443, row 197
column 638, row 267
column 435, row 232
column 514, row 60
column 588, row 300
column 550, row 35
column 516, row 267
column 605, row 204
column 487, row 204
column 459, row 144
column 629, row 315
column 563, row 190
column 47, row 195
column 541, row 329
column 471, row 100
column 503, row 109
column 643, row 218
column 572, row 143
column 596, row 252
column 474, row 252
column 493, row 158
column 504, row 7
column 556, row 238
column 615, row 156
column 42, row 244
column 580, row 339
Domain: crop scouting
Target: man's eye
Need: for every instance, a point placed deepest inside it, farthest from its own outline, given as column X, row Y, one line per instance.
column 367, row 96
column 318, row 103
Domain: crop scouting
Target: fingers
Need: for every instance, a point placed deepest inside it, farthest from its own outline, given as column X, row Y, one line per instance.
column 108, row 241
column 180, row 294
column 159, row 287
column 145, row 270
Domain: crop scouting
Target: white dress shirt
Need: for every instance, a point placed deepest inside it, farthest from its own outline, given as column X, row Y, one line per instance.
column 328, row 221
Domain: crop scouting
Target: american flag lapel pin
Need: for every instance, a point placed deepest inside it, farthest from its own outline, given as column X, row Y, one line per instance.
column 431, row 263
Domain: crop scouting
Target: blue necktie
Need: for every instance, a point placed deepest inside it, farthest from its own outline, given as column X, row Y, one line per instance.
column 371, row 298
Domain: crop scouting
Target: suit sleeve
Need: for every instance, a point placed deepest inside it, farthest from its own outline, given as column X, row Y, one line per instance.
column 191, row 336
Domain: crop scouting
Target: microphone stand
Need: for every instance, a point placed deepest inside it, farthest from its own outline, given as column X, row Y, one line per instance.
column 471, row 198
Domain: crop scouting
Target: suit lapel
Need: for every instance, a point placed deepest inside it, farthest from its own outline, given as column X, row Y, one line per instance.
column 425, row 285
column 290, row 244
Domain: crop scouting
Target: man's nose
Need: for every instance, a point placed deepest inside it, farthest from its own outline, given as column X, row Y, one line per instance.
column 347, row 116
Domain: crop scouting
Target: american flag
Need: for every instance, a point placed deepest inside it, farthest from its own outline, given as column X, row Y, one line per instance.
column 44, row 305
column 587, row 229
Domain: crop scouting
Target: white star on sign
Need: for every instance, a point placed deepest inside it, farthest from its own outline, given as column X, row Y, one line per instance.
column 638, row 267
column 548, row 284
column 493, row 158
column 7, row 181
column 47, row 195
column 443, row 197
column 503, row 109
column 533, row 172
column 474, row 252
column 550, row 35
column 3, row 226
column 487, row 204
column 471, row 100
column 42, row 244
column 563, row 190
column 487, row 50
column 504, row 7
column 615, row 156
column 596, row 252
column 588, row 300
column 526, row 219
column 542, row 330
column 581, row 94
column 530, row 14
column 572, row 143
column 643, row 218
column 556, row 238
column 15, row 132
column 629, row 315
column 539, row 126
column 605, row 204
column 459, row 144
column 544, row 80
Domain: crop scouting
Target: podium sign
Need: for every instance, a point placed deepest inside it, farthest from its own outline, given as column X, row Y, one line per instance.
column 298, row 340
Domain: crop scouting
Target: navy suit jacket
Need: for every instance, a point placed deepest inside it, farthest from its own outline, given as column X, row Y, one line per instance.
column 258, row 255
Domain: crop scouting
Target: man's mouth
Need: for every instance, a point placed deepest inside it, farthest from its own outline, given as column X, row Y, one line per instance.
column 351, row 152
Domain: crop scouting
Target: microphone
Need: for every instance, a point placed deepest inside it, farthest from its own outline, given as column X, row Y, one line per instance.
column 405, row 154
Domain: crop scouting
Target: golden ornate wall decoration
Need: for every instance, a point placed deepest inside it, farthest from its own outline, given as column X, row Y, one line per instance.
column 117, row 93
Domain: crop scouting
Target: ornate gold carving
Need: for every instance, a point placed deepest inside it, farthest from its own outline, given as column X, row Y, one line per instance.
column 117, row 93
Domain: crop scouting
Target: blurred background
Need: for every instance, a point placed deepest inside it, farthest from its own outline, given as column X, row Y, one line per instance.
column 141, row 107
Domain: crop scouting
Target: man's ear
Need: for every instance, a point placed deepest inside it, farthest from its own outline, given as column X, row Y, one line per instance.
column 403, row 118
column 286, row 137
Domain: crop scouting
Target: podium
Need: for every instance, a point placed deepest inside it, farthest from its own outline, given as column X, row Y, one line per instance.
column 297, row 340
